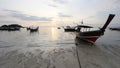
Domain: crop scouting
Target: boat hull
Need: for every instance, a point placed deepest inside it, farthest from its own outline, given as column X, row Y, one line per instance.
column 90, row 36
column 69, row 30
column 91, row 39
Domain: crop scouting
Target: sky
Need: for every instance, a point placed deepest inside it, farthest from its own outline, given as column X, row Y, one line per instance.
column 58, row 12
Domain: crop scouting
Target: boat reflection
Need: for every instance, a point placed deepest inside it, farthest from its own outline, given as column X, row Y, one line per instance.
column 81, row 42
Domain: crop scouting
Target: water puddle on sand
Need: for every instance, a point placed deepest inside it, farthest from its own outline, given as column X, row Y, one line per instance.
column 40, row 57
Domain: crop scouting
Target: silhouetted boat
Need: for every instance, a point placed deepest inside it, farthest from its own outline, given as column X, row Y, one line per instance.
column 117, row 29
column 93, row 35
column 69, row 29
column 58, row 27
column 34, row 29
column 28, row 28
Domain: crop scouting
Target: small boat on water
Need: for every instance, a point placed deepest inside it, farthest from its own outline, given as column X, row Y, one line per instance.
column 92, row 36
column 58, row 27
column 69, row 29
column 115, row 28
column 33, row 29
column 28, row 28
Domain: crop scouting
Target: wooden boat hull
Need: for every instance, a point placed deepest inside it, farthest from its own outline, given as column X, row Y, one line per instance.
column 33, row 30
column 91, row 39
column 69, row 30
column 90, row 36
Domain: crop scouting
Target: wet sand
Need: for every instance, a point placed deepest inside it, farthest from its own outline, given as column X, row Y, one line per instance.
column 51, row 57
column 98, row 56
column 91, row 56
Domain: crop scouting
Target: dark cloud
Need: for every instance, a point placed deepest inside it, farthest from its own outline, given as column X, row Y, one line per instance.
column 60, row 1
column 8, row 22
column 64, row 15
column 20, row 15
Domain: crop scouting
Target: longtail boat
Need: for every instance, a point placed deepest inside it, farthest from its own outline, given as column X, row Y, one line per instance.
column 92, row 36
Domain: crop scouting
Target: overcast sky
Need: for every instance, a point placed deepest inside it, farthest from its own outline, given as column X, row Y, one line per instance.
column 58, row 12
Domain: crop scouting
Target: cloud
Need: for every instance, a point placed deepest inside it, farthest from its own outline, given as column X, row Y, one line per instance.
column 117, row 1
column 63, row 15
column 57, row 3
column 20, row 15
column 1, row 16
column 51, row 5
column 60, row 1
column 8, row 22
column 11, row 10
column 89, row 17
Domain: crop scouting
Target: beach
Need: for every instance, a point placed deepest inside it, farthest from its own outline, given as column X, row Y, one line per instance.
column 53, row 48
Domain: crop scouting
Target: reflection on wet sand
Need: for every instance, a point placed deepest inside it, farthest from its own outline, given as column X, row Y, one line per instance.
column 38, row 58
column 97, row 56
column 81, row 42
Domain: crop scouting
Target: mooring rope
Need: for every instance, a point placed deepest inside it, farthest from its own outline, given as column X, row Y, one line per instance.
column 78, row 58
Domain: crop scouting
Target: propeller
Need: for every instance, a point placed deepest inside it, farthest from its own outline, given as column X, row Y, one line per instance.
column 111, row 16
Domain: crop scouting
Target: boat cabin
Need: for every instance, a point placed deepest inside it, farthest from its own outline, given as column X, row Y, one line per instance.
column 83, row 28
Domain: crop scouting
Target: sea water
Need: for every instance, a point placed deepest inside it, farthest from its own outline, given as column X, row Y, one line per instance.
column 53, row 48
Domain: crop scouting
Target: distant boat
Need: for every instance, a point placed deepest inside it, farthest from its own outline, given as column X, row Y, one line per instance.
column 58, row 27
column 34, row 29
column 93, row 35
column 28, row 28
column 69, row 29
column 117, row 29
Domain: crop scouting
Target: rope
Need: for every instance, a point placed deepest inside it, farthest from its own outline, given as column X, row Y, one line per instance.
column 78, row 58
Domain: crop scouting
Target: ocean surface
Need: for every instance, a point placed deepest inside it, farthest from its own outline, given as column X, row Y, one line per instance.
column 49, row 48
column 50, row 37
column 45, row 37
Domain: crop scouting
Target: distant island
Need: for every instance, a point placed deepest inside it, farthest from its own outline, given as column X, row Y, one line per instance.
column 11, row 27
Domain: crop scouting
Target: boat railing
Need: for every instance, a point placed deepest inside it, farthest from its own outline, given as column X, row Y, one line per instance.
column 88, row 29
